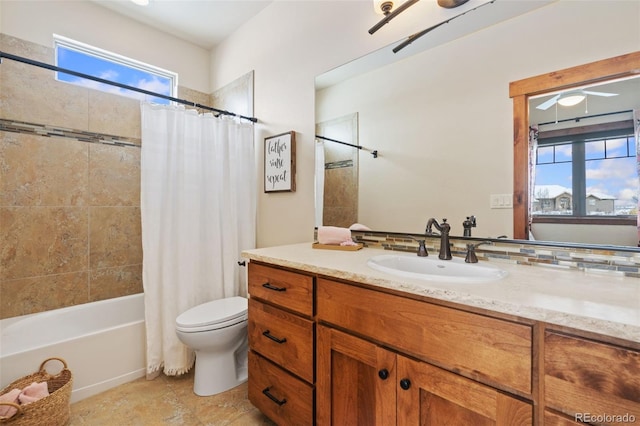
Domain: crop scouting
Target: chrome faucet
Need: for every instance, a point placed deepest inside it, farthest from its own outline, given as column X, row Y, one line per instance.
column 444, row 228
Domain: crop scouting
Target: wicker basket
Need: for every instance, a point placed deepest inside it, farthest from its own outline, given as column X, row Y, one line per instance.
column 52, row 410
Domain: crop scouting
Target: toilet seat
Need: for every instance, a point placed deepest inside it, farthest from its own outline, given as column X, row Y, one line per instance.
column 213, row 315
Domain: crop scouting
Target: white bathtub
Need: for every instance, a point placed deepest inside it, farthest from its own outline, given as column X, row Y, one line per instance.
column 102, row 342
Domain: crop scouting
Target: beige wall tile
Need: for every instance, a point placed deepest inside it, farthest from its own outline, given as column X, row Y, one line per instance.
column 42, row 240
column 43, row 293
column 47, row 230
column 114, row 114
column 115, row 237
column 32, row 94
column 42, row 171
column 114, row 175
column 106, row 283
column 16, row 46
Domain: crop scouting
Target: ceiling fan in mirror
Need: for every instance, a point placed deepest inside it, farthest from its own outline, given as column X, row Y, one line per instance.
column 571, row 98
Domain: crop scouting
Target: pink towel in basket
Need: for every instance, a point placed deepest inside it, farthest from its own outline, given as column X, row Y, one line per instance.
column 33, row 392
column 11, row 396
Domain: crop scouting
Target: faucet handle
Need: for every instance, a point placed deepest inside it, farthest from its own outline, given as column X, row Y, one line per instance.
column 471, row 251
column 422, row 249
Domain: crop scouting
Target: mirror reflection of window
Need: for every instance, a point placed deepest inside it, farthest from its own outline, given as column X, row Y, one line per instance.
column 595, row 167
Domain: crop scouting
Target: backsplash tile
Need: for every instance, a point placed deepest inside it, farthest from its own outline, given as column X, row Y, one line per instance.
column 592, row 260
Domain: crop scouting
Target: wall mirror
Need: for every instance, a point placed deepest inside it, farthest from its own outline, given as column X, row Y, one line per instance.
column 588, row 148
column 430, row 162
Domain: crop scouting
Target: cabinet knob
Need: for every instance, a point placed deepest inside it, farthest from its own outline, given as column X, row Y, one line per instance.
column 383, row 374
column 405, row 384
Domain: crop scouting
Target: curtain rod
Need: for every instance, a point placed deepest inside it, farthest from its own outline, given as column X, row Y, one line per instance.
column 577, row 119
column 374, row 152
column 122, row 86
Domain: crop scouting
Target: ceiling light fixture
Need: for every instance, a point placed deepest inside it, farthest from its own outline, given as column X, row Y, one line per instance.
column 387, row 5
column 382, row 7
column 571, row 99
column 141, row 2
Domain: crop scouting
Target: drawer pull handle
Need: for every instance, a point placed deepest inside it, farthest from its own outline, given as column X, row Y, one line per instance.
column 405, row 384
column 274, row 288
column 267, row 334
column 383, row 374
column 273, row 398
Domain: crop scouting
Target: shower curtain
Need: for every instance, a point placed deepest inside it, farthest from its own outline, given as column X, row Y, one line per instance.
column 198, row 192
column 533, row 159
column 636, row 135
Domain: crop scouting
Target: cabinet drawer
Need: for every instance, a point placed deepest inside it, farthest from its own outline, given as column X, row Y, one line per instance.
column 583, row 376
column 283, row 398
column 288, row 289
column 487, row 349
column 284, row 338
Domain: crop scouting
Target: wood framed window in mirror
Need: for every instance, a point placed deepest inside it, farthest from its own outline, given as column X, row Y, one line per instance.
column 575, row 204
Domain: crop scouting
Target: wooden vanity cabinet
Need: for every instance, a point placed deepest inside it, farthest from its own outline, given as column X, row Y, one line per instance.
column 486, row 349
column 281, row 333
column 384, row 359
column 356, row 381
column 340, row 353
column 362, row 383
column 587, row 377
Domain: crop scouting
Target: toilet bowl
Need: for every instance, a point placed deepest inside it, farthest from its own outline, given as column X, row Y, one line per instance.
column 217, row 332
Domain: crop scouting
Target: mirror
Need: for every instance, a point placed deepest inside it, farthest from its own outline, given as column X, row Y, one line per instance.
column 431, row 163
column 616, row 75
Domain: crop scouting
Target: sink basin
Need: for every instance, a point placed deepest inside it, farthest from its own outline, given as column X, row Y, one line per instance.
column 434, row 269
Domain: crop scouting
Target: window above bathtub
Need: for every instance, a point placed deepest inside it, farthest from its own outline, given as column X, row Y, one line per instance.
column 83, row 58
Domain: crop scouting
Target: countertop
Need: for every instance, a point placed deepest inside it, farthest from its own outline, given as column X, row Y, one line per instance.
column 596, row 302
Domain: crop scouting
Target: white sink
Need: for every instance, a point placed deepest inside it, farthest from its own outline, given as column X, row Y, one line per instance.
column 434, row 269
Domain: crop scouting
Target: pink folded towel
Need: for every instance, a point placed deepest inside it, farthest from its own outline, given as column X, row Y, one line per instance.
column 11, row 396
column 359, row 227
column 334, row 235
column 33, row 392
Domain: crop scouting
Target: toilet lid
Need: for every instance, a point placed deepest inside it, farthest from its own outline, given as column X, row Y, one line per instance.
column 214, row 312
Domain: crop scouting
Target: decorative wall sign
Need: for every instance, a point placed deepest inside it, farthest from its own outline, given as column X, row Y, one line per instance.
column 280, row 163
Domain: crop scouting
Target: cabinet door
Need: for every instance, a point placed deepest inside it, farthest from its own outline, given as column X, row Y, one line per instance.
column 356, row 381
column 585, row 377
column 428, row 395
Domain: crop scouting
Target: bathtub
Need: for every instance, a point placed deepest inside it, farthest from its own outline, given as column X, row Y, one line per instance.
column 102, row 342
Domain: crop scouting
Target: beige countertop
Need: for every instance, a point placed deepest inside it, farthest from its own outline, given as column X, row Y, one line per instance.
column 597, row 302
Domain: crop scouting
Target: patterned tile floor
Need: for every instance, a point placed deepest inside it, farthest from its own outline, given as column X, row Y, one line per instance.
column 166, row 401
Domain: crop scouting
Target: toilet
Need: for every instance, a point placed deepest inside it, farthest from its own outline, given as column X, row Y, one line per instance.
column 217, row 332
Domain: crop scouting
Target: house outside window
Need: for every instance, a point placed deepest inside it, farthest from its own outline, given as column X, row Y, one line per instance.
column 86, row 59
column 592, row 173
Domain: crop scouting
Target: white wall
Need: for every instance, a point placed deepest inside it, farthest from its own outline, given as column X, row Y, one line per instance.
column 290, row 43
column 84, row 21
column 441, row 121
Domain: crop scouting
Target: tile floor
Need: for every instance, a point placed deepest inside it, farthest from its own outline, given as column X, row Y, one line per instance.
column 166, row 401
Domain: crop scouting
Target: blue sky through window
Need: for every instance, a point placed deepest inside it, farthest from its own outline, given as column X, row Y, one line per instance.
column 114, row 71
column 617, row 177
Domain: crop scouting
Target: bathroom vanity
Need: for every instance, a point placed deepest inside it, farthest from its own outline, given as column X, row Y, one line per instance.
column 333, row 341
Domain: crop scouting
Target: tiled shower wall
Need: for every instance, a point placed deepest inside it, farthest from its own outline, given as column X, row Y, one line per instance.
column 70, row 228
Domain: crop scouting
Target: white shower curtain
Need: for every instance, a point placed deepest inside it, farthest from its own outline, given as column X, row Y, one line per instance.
column 198, row 211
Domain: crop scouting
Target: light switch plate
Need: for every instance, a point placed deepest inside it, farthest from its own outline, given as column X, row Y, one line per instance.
column 501, row 201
